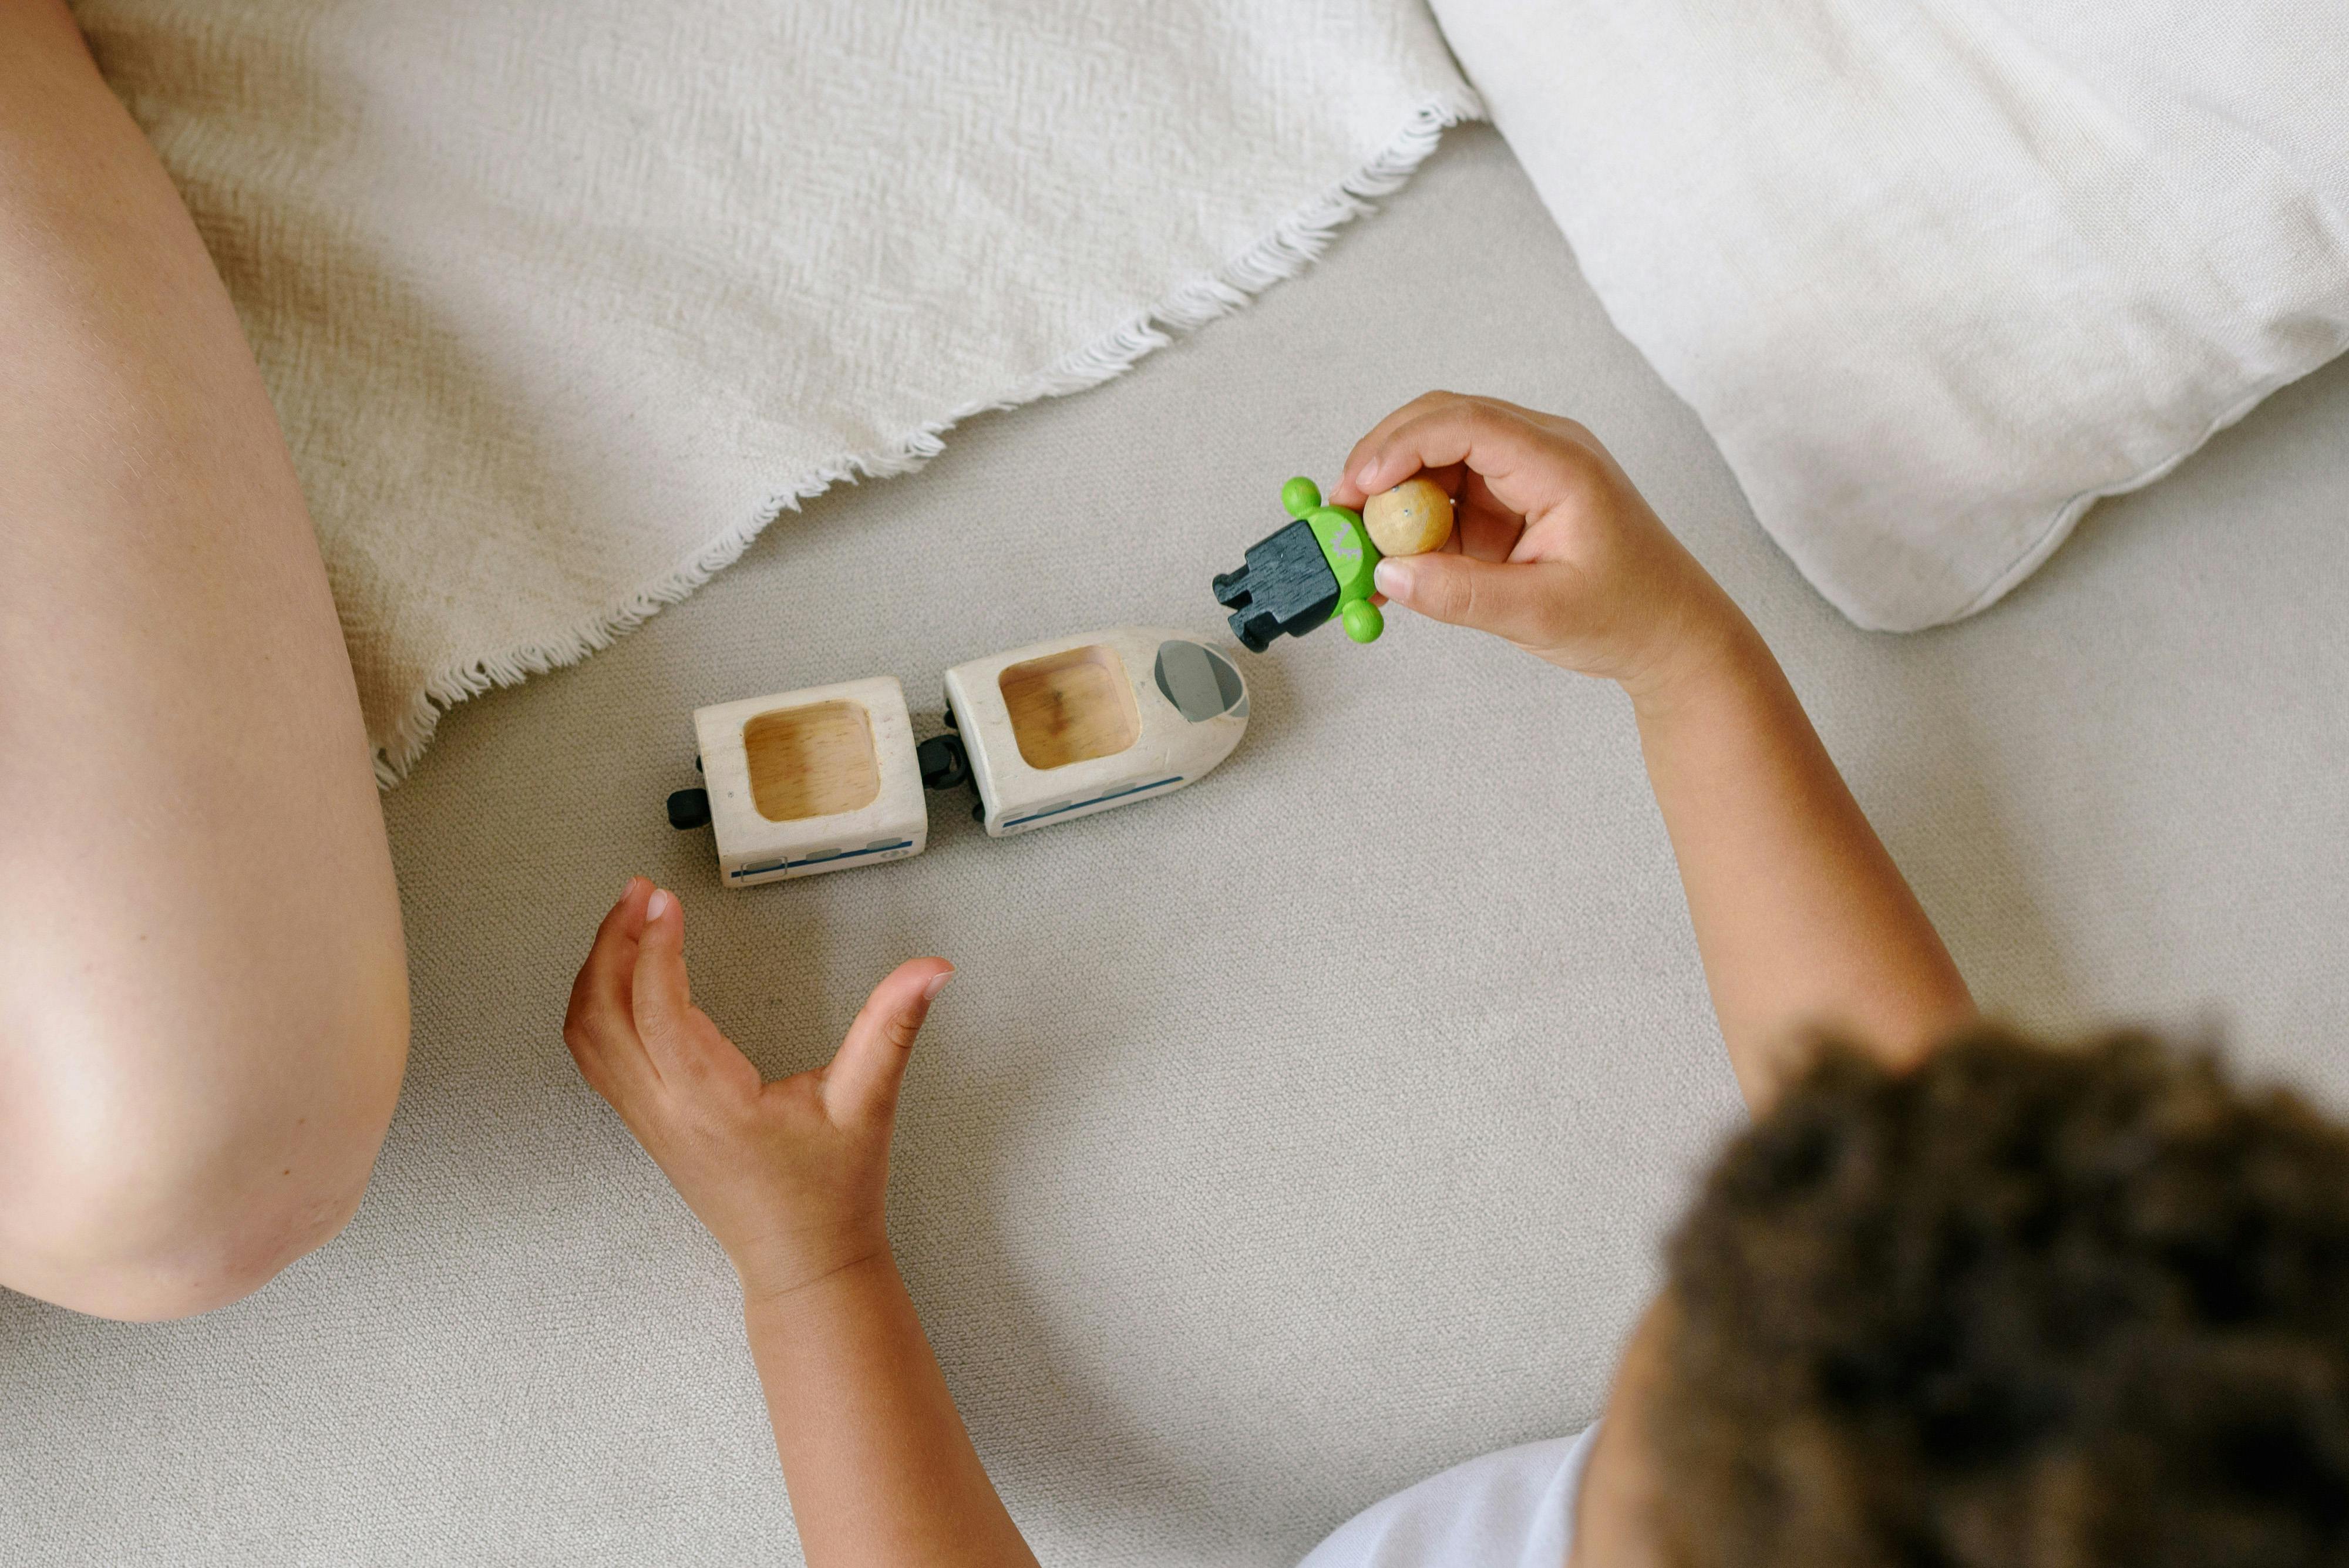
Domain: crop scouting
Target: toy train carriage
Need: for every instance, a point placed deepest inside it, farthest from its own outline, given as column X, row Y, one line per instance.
column 829, row 777
column 811, row 781
column 1064, row 729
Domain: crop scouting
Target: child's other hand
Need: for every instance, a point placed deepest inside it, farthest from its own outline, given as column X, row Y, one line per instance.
column 1554, row 549
column 788, row 1176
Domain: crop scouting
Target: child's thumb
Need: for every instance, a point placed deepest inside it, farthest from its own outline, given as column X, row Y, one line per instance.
column 1509, row 599
column 861, row 1085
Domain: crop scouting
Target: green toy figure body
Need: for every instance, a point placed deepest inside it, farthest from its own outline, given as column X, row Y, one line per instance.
column 1346, row 546
column 1315, row 569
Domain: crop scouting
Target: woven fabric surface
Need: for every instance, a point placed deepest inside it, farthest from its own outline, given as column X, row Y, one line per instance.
column 560, row 304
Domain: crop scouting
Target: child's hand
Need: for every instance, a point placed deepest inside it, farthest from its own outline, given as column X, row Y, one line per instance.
column 789, row 1175
column 1554, row 550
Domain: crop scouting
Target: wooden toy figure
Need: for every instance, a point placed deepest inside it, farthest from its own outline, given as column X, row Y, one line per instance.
column 1319, row 567
column 1412, row 519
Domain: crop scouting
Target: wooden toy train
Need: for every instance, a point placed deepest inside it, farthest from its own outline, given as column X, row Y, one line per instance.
column 829, row 777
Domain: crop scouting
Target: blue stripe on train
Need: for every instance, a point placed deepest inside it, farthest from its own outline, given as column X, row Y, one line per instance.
column 1080, row 804
column 822, row 859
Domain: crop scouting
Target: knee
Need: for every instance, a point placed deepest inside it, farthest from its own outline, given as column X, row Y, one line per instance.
column 142, row 1199
column 110, row 1251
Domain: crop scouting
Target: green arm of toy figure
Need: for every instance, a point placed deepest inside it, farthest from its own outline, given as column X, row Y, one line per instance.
column 1347, row 547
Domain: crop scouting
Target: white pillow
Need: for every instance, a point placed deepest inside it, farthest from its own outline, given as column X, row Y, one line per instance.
column 1937, row 274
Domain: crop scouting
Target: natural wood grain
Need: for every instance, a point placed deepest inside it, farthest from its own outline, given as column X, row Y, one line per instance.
column 1066, row 707
column 1412, row 519
column 815, row 760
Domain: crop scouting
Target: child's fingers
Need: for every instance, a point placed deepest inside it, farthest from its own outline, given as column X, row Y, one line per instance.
column 599, row 995
column 1350, row 490
column 659, row 993
column 861, row 1085
column 597, row 1025
column 1526, row 466
column 1517, row 601
column 1469, row 431
column 1482, row 525
column 1451, row 479
column 679, row 1038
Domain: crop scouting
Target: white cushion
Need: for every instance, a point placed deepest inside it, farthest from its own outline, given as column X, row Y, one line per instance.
column 1937, row 275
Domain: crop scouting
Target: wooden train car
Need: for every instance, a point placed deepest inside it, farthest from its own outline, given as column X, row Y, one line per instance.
column 1064, row 729
column 831, row 778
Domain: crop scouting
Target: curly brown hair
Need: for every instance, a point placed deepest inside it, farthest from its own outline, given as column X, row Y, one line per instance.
column 2020, row 1306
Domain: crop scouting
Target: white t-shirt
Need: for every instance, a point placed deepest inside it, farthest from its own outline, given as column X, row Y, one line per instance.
column 1510, row 1509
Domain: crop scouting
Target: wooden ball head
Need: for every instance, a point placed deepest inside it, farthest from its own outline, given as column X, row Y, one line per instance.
column 1412, row 519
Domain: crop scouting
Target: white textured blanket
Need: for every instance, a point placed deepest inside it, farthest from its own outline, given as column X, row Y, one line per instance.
column 561, row 303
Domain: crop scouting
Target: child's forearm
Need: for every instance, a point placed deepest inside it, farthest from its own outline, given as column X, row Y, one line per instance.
column 879, row 1467
column 1802, row 918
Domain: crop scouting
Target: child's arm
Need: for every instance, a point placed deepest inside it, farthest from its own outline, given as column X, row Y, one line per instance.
column 791, row 1177
column 1803, row 920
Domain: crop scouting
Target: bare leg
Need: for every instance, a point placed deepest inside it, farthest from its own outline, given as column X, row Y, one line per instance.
column 203, row 1006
